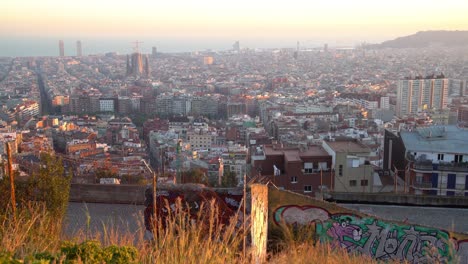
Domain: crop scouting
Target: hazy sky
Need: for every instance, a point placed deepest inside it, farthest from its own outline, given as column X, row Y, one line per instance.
column 304, row 20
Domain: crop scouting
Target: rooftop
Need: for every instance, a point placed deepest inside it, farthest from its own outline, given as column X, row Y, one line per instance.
column 436, row 139
column 294, row 153
column 347, row 146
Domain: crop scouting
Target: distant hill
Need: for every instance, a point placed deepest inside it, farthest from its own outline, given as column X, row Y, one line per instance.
column 426, row 38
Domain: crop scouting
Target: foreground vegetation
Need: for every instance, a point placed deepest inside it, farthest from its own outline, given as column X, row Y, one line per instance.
column 35, row 237
column 34, row 233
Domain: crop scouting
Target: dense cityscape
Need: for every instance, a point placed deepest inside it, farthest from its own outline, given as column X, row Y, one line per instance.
column 234, row 132
column 307, row 119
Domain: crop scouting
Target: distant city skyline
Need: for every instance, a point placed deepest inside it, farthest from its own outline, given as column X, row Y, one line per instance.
column 47, row 46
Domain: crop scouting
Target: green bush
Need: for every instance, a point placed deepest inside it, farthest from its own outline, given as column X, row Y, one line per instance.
column 121, row 255
column 93, row 252
column 70, row 250
column 70, row 253
column 6, row 257
column 41, row 258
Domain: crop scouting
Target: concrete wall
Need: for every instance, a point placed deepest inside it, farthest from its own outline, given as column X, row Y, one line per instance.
column 107, row 193
column 403, row 199
column 364, row 234
column 135, row 194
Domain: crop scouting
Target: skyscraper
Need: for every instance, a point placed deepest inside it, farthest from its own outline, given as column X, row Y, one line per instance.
column 236, row 46
column 154, row 51
column 147, row 67
column 79, row 52
column 129, row 67
column 136, row 64
column 419, row 94
column 296, row 53
column 61, row 48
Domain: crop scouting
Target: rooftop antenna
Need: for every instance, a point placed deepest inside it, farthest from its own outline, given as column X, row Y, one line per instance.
column 136, row 46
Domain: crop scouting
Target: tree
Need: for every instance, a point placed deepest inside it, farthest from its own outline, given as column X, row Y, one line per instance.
column 134, row 179
column 229, row 179
column 103, row 173
column 194, row 176
column 51, row 185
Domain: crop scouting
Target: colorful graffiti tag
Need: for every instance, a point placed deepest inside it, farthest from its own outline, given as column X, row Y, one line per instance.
column 382, row 240
column 386, row 241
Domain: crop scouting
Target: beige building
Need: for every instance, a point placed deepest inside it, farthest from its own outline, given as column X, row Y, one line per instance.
column 200, row 139
column 353, row 172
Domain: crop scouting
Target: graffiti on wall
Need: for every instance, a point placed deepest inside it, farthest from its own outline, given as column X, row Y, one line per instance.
column 462, row 251
column 382, row 240
column 385, row 241
column 228, row 203
column 302, row 215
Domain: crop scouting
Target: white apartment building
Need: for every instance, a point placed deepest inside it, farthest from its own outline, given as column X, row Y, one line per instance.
column 107, row 105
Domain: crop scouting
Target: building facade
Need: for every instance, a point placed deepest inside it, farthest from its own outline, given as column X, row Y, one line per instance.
column 420, row 94
column 107, row 104
column 303, row 170
column 353, row 171
column 437, row 160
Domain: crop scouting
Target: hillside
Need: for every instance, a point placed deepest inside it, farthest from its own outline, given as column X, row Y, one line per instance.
column 427, row 38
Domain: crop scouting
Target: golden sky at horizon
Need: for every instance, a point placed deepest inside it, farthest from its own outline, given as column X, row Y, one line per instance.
column 359, row 19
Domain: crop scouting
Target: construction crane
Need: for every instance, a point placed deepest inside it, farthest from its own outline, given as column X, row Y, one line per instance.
column 136, row 45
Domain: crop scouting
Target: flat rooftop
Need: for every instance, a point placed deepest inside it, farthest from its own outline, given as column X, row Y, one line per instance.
column 436, row 139
column 294, row 154
column 347, row 146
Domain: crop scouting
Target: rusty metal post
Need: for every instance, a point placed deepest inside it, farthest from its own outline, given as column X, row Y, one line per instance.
column 12, row 179
column 244, row 216
column 155, row 182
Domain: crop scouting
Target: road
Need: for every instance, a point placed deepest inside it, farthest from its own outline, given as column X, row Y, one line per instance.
column 93, row 217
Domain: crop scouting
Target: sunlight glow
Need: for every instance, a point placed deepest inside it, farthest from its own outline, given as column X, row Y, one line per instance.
column 229, row 19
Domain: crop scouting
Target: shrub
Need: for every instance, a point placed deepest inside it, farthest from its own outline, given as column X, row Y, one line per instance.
column 121, row 255
column 6, row 257
column 93, row 252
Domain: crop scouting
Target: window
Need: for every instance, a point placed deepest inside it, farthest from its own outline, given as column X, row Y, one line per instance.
column 353, row 162
column 322, row 166
column 419, row 178
column 340, row 170
column 440, row 156
column 293, row 179
column 308, row 167
column 364, row 182
column 307, row 188
column 458, row 158
column 352, row 183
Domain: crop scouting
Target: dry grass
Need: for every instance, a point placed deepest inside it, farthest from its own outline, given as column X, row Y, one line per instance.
column 320, row 253
column 32, row 230
column 187, row 238
column 195, row 238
